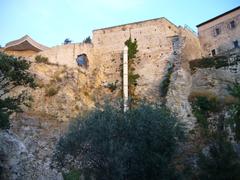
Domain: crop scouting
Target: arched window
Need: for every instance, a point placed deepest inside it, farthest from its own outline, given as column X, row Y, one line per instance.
column 82, row 60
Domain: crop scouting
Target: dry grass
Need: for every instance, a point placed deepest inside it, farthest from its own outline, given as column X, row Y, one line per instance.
column 201, row 93
column 52, row 90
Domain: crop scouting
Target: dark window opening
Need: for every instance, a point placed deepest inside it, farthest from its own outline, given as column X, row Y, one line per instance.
column 217, row 31
column 232, row 24
column 82, row 60
column 235, row 43
column 213, row 52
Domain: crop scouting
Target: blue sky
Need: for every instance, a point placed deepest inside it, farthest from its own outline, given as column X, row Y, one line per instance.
column 51, row 21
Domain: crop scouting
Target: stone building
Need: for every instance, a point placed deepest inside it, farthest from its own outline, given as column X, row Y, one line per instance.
column 159, row 43
column 220, row 34
column 25, row 47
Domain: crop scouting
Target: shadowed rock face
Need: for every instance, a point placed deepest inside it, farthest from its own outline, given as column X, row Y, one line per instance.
column 25, row 152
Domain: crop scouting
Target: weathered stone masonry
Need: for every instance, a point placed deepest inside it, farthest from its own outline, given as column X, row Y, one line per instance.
column 155, row 45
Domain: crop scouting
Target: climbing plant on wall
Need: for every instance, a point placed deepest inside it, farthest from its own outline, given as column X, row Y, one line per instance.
column 132, row 76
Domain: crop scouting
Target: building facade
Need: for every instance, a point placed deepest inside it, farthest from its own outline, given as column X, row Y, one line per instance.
column 220, row 34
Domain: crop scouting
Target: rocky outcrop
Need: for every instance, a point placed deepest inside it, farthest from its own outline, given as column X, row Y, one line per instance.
column 64, row 93
column 17, row 161
column 177, row 97
column 215, row 81
column 181, row 81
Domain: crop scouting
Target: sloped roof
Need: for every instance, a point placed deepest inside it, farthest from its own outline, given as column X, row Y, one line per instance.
column 25, row 43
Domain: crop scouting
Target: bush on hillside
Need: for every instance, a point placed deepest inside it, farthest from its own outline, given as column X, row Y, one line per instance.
column 109, row 144
column 221, row 162
column 13, row 73
column 41, row 59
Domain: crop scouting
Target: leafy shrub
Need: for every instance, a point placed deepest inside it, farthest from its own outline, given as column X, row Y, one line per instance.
column 132, row 48
column 132, row 76
column 13, row 73
column 166, row 81
column 72, row 175
column 212, row 62
column 202, row 106
column 88, row 40
column 67, row 41
column 110, row 144
column 112, row 86
column 41, row 59
column 51, row 91
column 221, row 162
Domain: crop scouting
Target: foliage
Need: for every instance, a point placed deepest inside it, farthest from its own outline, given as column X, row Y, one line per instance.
column 132, row 48
column 202, row 107
column 72, row 175
column 212, row 62
column 67, row 41
column 51, row 90
column 221, row 162
column 88, row 40
column 41, row 59
column 166, row 81
column 235, row 110
column 138, row 144
column 112, row 86
column 13, row 73
column 132, row 76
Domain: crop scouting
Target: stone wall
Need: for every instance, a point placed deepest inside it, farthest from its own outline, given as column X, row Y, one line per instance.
column 192, row 48
column 26, row 54
column 224, row 41
column 67, row 54
column 155, row 45
column 154, row 39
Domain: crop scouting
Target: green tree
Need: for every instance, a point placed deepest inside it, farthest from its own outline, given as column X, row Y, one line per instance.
column 112, row 145
column 67, row 41
column 88, row 40
column 13, row 73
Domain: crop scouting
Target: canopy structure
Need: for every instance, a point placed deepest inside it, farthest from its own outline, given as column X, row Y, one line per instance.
column 25, row 43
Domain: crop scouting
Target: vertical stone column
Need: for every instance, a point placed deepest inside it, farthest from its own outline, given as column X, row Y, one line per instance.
column 125, row 79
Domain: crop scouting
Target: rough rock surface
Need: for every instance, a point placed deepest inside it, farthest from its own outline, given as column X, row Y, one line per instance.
column 64, row 92
column 180, row 85
column 20, row 157
column 215, row 80
column 177, row 97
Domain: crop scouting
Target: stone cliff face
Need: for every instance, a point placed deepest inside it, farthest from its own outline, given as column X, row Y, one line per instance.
column 23, row 157
column 186, row 48
column 64, row 92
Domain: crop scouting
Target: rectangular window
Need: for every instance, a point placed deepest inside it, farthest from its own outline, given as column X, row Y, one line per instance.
column 216, row 32
column 232, row 24
column 213, row 52
column 235, row 43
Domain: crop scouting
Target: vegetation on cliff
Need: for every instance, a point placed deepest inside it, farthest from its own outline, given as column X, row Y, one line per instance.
column 132, row 76
column 214, row 62
column 219, row 159
column 13, row 73
column 108, row 144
